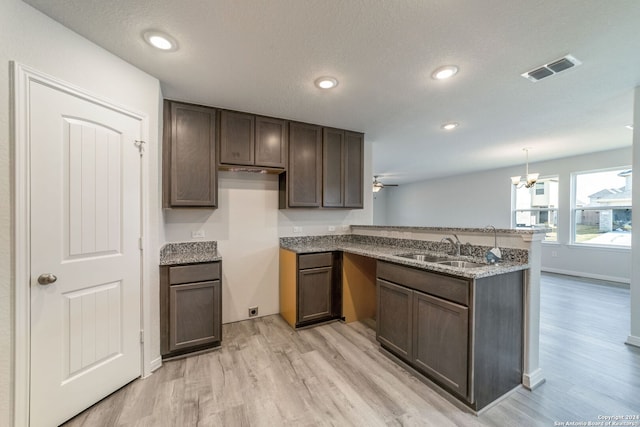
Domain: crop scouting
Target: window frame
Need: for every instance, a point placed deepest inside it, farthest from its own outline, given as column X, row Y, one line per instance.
column 574, row 209
column 551, row 211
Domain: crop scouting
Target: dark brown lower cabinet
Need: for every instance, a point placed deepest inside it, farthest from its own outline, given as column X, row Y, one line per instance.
column 464, row 334
column 440, row 340
column 318, row 288
column 191, row 308
column 314, row 294
column 394, row 318
column 193, row 314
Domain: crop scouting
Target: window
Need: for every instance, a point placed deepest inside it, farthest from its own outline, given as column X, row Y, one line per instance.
column 538, row 207
column 602, row 207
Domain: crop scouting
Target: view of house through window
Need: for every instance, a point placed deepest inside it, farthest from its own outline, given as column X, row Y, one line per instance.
column 538, row 207
column 602, row 208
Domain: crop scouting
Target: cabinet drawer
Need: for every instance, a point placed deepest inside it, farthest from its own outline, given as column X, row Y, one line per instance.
column 194, row 273
column 314, row 260
column 446, row 287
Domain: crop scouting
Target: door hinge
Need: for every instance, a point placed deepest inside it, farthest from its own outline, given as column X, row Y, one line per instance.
column 142, row 336
column 140, row 144
column 140, row 243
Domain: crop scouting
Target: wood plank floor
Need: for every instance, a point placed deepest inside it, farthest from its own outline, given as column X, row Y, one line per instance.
column 335, row 375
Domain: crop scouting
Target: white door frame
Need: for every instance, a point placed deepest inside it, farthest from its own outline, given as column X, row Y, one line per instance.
column 21, row 76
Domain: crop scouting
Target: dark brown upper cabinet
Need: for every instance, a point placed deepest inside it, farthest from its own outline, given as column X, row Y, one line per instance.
column 271, row 142
column 338, row 183
column 237, row 138
column 342, row 169
column 333, row 178
column 189, row 156
column 253, row 141
column 304, row 175
column 353, row 170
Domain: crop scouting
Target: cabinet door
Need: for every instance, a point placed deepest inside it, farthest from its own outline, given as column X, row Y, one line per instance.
column 441, row 340
column 314, row 294
column 192, row 165
column 194, row 314
column 271, row 142
column 237, row 138
column 333, row 168
column 394, row 318
column 353, row 169
column 305, row 165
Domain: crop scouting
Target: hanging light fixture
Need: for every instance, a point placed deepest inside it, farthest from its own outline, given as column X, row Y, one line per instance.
column 531, row 178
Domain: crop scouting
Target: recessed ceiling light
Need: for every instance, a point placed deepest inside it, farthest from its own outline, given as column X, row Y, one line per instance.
column 449, row 125
column 160, row 40
column 326, row 82
column 445, row 72
column 630, row 127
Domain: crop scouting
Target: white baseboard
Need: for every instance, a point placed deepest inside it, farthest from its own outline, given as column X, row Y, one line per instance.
column 156, row 364
column 633, row 340
column 533, row 379
column 616, row 279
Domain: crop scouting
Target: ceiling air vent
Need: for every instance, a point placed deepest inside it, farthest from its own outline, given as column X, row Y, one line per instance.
column 551, row 68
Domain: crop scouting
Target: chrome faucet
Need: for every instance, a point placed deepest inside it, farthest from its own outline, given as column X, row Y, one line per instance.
column 456, row 245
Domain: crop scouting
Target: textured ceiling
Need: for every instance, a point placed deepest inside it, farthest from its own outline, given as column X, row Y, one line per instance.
column 263, row 56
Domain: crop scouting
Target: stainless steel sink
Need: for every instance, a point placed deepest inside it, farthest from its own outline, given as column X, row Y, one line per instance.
column 462, row 264
column 424, row 257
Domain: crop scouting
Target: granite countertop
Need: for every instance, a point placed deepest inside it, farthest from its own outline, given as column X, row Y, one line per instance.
column 529, row 231
column 189, row 253
column 390, row 252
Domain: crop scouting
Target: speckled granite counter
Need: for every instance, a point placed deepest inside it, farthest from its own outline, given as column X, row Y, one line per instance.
column 388, row 249
column 450, row 229
column 189, row 253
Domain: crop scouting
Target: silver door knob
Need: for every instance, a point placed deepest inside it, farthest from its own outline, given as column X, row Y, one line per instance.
column 46, row 279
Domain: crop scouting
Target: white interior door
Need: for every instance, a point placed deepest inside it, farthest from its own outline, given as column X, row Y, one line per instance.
column 85, row 226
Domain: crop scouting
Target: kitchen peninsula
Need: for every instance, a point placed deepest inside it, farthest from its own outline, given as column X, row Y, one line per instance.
column 455, row 320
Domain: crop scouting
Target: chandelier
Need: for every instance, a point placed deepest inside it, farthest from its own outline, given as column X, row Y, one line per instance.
column 530, row 178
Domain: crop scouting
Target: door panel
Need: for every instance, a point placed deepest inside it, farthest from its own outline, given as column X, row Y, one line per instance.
column 394, row 322
column 271, row 142
column 353, row 170
column 333, row 168
column 440, row 340
column 305, row 165
column 194, row 312
column 91, row 189
column 92, row 328
column 314, row 294
column 85, row 225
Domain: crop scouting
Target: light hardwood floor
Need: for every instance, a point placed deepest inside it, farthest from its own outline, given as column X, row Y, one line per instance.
column 266, row 374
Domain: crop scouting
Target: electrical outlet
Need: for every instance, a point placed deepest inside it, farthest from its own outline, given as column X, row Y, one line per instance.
column 332, row 228
column 554, row 253
column 253, row 311
column 297, row 229
column 197, row 234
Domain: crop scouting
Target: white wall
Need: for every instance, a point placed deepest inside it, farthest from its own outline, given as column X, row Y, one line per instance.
column 247, row 226
column 475, row 200
column 380, row 206
column 30, row 38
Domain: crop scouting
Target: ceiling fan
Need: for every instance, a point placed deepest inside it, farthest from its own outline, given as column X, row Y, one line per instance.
column 377, row 185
